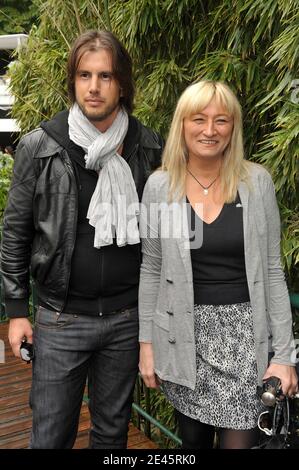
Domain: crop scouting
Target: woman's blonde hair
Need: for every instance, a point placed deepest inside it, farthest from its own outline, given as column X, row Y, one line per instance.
column 175, row 156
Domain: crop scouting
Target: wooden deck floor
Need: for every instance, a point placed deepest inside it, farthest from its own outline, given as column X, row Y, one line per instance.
column 15, row 414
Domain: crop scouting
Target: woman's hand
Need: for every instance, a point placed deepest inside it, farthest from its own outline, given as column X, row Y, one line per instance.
column 146, row 366
column 287, row 376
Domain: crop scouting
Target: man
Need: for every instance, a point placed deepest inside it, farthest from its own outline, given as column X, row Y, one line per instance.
column 9, row 150
column 71, row 217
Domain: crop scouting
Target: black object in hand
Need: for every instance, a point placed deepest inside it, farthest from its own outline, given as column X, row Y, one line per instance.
column 271, row 391
column 27, row 351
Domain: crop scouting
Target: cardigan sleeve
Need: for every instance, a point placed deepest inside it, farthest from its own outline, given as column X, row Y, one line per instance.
column 151, row 263
column 279, row 310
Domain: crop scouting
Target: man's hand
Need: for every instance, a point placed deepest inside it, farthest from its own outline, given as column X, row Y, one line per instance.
column 19, row 329
column 146, row 366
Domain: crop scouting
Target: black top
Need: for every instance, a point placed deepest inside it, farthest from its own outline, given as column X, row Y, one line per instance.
column 90, row 288
column 219, row 274
column 89, row 291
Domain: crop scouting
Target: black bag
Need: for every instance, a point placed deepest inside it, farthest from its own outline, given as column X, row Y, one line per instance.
column 278, row 436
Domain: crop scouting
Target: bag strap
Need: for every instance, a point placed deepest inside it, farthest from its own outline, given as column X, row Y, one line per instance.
column 281, row 417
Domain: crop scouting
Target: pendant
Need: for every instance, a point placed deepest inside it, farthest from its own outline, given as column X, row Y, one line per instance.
column 206, row 192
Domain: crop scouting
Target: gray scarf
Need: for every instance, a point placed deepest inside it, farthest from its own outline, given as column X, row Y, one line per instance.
column 114, row 203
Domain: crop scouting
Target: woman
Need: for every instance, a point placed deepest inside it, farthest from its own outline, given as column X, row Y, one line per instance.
column 208, row 311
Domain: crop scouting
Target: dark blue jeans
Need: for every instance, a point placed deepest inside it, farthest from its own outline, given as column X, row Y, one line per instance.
column 68, row 349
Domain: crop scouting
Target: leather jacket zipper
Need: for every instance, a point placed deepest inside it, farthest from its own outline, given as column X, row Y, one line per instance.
column 71, row 171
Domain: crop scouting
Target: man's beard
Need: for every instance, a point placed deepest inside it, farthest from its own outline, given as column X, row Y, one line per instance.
column 101, row 116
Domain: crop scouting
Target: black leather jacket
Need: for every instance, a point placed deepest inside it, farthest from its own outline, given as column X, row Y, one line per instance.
column 41, row 216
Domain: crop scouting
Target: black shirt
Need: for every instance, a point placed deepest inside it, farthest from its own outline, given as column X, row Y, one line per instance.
column 218, row 266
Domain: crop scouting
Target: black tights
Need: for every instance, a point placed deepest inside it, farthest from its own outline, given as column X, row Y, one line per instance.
column 197, row 435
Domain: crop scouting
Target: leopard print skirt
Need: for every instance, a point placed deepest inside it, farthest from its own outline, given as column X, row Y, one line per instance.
column 225, row 394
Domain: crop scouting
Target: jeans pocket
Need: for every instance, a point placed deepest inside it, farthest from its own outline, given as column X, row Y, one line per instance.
column 131, row 314
column 50, row 320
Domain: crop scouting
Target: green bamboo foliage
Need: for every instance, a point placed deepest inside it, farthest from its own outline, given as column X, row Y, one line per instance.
column 251, row 44
column 16, row 16
column 6, row 167
column 38, row 78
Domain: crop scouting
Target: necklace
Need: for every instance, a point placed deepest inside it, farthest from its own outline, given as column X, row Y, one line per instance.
column 205, row 188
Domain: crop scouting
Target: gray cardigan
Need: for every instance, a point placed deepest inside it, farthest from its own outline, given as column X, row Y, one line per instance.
column 166, row 285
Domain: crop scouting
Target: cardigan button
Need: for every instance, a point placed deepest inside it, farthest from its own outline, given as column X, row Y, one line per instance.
column 169, row 312
column 171, row 339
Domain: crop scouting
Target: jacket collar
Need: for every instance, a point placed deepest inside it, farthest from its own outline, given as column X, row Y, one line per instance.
column 57, row 130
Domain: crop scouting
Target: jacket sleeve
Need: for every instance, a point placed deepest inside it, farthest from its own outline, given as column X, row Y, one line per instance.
column 279, row 310
column 17, row 235
column 151, row 264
